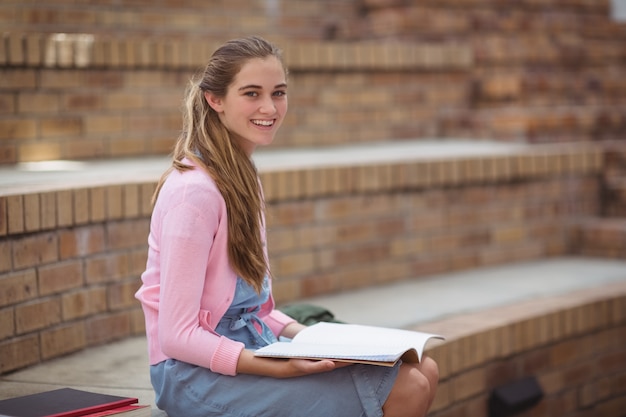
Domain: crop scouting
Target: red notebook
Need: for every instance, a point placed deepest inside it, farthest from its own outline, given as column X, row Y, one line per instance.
column 64, row 402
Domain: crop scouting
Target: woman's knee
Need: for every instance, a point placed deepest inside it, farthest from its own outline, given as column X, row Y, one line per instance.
column 430, row 369
column 410, row 395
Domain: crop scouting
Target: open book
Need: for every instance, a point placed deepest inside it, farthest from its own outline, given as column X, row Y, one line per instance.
column 352, row 343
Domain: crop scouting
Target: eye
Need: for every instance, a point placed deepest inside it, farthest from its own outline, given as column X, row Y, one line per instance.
column 280, row 93
column 251, row 94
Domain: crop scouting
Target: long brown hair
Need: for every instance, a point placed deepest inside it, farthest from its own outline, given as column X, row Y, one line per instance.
column 207, row 142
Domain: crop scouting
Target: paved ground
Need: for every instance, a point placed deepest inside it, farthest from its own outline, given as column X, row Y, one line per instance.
column 121, row 368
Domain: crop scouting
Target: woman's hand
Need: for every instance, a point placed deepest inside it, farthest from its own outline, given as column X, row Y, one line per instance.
column 283, row 368
column 300, row 367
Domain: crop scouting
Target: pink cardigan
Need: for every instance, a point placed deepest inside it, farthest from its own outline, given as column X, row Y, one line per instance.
column 188, row 283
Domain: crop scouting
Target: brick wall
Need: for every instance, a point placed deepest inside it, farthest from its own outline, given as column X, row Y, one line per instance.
column 91, row 80
column 573, row 345
column 190, row 19
column 111, row 100
column 334, row 229
column 70, row 258
column 69, row 267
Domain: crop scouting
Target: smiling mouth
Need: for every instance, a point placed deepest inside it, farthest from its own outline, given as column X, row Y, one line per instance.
column 264, row 123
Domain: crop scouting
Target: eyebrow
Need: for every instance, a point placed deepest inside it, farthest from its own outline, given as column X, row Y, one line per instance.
column 258, row 87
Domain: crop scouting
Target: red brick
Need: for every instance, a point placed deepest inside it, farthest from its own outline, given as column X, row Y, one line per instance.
column 61, row 127
column 107, row 268
column 17, row 287
column 145, row 199
column 15, row 214
column 138, row 259
column 612, row 407
column 127, row 234
column 108, row 79
column 83, row 303
column 4, row 215
column 102, row 329
column 17, row 79
column 52, row 80
column 535, row 361
column 34, row 49
column 62, row 340
column 137, row 322
column 290, row 214
column 501, row 87
column 5, row 255
column 103, row 124
column 34, row 250
column 48, row 210
column 293, row 264
column 60, row 277
column 82, row 102
column 32, row 212
column 65, row 208
column 19, row 353
column 7, row 323
column 611, row 362
column 81, row 205
column 121, row 296
column 124, row 101
column 7, row 104
column 81, row 241
column 468, row 384
column 37, row 315
column 114, row 202
column 131, row 200
column 285, row 290
column 83, row 147
column 18, row 129
column 40, row 151
column 97, row 204
column 39, row 103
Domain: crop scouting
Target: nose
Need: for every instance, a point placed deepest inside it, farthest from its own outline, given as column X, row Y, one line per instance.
column 268, row 106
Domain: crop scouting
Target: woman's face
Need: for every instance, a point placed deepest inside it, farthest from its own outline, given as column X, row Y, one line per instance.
column 255, row 103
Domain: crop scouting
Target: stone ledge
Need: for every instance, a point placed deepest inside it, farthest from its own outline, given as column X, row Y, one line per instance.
column 431, row 171
column 573, row 344
column 116, row 195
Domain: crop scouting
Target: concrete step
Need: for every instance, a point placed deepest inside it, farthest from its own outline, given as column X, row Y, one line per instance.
column 409, row 303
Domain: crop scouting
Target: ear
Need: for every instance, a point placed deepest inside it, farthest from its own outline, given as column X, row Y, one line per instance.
column 213, row 101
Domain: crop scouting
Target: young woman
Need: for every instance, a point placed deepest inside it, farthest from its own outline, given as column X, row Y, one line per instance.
column 206, row 291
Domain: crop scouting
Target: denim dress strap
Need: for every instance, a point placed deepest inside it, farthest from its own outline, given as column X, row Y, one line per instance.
column 241, row 321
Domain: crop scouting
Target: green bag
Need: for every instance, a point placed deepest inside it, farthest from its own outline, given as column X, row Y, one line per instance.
column 308, row 314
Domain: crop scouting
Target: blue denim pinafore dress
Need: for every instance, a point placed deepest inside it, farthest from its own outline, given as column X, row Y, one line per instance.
column 186, row 390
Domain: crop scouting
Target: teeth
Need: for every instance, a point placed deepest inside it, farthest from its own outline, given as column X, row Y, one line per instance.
column 263, row 122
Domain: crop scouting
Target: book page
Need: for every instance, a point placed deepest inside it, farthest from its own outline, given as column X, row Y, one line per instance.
column 361, row 335
column 352, row 353
column 353, row 343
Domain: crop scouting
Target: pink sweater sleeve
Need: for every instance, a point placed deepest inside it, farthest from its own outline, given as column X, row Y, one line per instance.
column 187, row 234
column 186, row 240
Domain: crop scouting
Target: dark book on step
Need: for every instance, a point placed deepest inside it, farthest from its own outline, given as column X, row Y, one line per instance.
column 69, row 402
